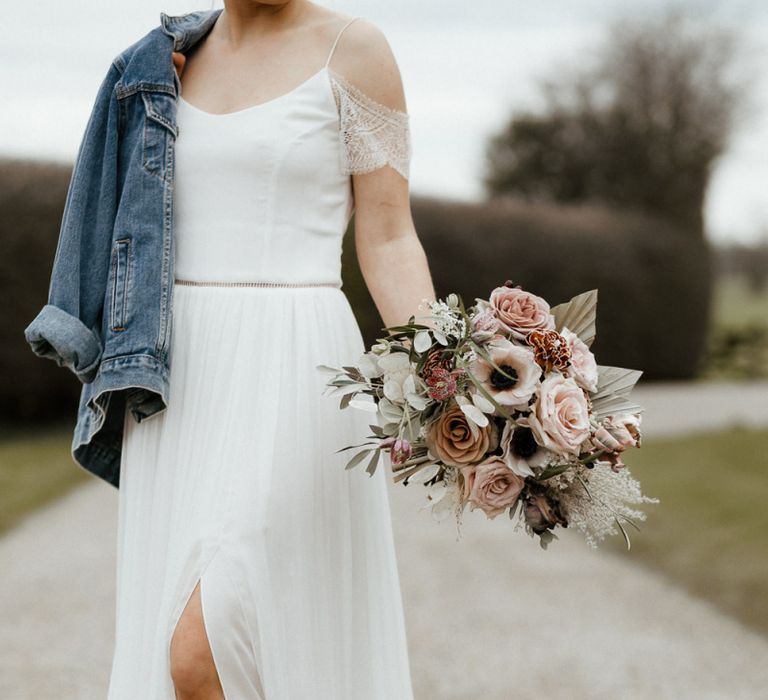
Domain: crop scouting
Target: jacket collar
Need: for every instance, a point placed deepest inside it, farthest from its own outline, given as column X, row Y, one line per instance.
column 187, row 29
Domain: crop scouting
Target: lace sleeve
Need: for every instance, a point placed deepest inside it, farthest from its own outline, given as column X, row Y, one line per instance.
column 373, row 134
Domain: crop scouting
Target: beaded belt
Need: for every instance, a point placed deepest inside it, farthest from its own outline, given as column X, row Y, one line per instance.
column 257, row 284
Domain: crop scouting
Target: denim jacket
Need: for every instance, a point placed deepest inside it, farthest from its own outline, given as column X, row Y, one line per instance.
column 108, row 315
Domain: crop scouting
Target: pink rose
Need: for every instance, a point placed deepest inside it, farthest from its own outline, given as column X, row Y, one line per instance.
column 520, row 312
column 559, row 417
column 484, row 325
column 583, row 364
column 491, row 486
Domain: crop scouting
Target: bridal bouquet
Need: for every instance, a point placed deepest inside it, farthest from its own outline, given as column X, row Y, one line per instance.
column 502, row 406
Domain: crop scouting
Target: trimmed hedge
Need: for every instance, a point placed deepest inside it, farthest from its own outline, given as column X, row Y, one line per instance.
column 32, row 195
column 654, row 281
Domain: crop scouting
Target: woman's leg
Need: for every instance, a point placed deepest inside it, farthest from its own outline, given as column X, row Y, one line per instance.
column 192, row 667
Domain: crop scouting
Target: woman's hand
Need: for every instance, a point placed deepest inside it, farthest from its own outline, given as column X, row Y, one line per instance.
column 179, row 59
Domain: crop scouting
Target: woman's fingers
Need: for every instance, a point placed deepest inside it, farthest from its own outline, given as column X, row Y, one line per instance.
column 178, row 61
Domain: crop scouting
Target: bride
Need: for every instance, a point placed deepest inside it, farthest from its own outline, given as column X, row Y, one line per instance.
column 251, row 564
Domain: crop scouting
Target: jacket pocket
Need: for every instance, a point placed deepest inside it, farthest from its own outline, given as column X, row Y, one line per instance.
column 158, row 133
column 120, row 274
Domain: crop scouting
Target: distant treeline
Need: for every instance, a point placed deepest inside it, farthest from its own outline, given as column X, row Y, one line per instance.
column 746, row 260
column 653, row 281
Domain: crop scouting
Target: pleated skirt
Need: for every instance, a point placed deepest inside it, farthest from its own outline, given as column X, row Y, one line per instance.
column 238, row 484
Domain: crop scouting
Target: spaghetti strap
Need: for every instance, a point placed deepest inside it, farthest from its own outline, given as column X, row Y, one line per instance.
column 338, row 36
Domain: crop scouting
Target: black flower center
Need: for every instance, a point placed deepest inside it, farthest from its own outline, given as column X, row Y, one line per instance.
column 523, row 443
column 501, row 381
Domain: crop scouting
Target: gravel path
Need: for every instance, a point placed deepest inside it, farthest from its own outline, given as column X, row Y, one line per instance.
column 676, row 408
column 489, row 616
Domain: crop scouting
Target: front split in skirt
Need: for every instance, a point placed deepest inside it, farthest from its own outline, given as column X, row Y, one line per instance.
column 238, row 484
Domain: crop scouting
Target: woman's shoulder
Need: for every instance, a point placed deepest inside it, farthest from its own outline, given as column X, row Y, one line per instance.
column 364, row 58
column 369, row 94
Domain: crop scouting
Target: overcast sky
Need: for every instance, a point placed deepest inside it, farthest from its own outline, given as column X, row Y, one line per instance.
column 466, row 66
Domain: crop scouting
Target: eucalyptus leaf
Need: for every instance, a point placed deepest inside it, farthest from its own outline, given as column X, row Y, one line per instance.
column 342, row 381
column 359, row 457
column 553, row 470
column 347, row 389
column 390, row 411
column 482, row 403
column 474, row 414
column 440, row 337
column 363, row 405
column 371, row 468
column 325, row 369
column 422, row 341
column 349, row 447
column 406, row 328
column 417, row 401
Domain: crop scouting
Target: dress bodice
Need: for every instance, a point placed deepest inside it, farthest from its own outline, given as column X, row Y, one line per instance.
column 264, row 193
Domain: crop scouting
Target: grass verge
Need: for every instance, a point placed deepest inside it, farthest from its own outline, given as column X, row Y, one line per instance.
column 35, row 468
column 710, row 530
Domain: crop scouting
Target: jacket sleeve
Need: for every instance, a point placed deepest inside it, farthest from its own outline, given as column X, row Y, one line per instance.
column 68, row 327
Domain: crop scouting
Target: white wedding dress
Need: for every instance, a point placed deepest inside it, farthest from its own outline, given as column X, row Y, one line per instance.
column 238, row 483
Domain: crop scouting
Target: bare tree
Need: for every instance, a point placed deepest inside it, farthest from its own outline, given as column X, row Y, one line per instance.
column 640, row 128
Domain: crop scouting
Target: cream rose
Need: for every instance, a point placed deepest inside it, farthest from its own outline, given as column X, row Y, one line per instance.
column 519, row 311
column 457, row 441
column 559, row 417
column 491, row 486
column 583, row 363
